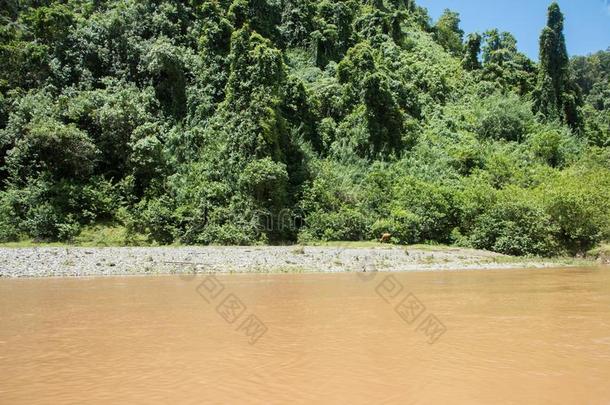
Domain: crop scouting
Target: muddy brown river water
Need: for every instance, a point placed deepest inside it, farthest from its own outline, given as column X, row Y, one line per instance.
column 531, row 336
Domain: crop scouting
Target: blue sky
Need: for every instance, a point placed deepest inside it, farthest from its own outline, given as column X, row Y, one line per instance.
column 587, row 21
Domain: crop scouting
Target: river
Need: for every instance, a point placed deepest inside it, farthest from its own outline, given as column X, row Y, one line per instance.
column 510, row 336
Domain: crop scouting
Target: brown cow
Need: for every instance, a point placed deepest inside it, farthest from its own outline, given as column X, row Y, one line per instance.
column 385, row 238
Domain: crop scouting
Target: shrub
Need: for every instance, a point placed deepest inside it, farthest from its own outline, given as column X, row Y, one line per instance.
column 266, row 181
column 45, row 222
column 515, row 225
column 474, row 199
column 228, row 234
column 346, row 224
column 554, row 146
column 405, row 227
column 578, row 202
column 504, row 118
column 52, row 147
column 155, row 218
column 9, row 219
column 424, row 206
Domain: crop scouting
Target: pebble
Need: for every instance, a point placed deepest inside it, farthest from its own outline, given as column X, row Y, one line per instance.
column 117, row 261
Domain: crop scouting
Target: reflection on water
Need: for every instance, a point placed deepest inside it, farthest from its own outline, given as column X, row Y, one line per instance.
column 532, row 336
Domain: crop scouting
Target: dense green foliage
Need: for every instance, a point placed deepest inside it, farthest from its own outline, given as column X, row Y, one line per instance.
column 212, row 121
column 592, row 75
column 557, row 96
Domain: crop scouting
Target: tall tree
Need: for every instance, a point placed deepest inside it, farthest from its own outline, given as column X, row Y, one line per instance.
column 297, row 22
column 504, row 65
column 472, row 51
column 448, row 32
column 556, row 96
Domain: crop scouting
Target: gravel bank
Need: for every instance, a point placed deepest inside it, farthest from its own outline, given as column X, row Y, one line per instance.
column 74, row 261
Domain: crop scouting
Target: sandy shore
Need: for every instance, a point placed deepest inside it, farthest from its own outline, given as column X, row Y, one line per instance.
column 75, row 261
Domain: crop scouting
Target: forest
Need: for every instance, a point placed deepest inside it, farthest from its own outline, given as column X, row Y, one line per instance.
column 194, row 122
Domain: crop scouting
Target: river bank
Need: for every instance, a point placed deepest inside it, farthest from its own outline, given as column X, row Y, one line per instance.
column 123, row 261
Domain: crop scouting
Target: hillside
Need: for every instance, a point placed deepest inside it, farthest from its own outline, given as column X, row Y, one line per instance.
column 260, row 121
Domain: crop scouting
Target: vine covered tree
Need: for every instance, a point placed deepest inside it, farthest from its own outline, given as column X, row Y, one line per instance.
column 472, row 51
column 556, row 96
column 448, row 32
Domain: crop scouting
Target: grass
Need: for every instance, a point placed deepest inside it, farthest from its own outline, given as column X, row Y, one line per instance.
column 92, row 236
column 377, row 244
column 602, row 253
column 103, row 236
column 560, row 261
column 28, row 243
column 348, row 245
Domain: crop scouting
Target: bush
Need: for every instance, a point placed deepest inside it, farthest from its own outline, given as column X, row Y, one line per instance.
column 52, row 147
column 504, row 118
column 404, row 226
column 45, row 223
column 507, row 164
column 423, row 206
column 266, row 181
column 51, row 210
column 347, row 224
column 578, row 202
column 474, row 199
column 154, row 218
column 515, row 225
column 556, row 147
column 597, row 124
column 230, row 234
column 467, row 155
column 9, row 219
